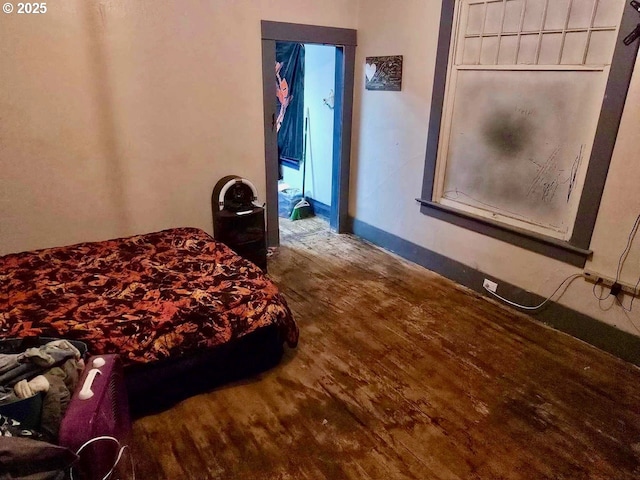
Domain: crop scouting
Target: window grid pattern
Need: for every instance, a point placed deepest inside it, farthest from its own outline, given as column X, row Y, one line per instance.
column 539, row 32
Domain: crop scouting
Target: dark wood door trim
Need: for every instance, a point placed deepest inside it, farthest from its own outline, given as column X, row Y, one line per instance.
column 345, row 42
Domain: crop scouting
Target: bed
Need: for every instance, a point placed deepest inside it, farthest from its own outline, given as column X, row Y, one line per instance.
column 183, row 311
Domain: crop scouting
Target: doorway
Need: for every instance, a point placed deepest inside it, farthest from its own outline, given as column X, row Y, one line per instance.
column 325, row 131
column 306, row 95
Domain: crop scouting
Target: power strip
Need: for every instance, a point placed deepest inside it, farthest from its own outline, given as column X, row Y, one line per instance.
column 595, row 277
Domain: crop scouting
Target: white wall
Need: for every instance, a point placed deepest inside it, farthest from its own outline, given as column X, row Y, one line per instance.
column 119, row 116
column 319, row 78
column 390, row 133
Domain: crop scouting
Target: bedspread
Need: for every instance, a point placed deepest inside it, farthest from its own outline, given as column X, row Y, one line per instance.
column 146, row 297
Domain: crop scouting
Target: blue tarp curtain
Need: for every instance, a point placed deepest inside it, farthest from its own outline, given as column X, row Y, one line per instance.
column 290, row 102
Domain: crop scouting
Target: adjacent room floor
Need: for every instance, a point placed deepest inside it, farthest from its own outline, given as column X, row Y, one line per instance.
column 291, row 231
column 402, row 374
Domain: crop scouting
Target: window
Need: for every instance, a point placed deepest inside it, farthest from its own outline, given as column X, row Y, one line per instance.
column 519, row 126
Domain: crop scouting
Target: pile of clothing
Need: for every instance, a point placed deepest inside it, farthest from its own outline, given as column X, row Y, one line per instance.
column 51, row 370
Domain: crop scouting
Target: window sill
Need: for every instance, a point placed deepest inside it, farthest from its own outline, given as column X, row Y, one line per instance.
column 550, row 247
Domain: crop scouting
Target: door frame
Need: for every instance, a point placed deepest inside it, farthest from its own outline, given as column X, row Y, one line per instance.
column 345, row 41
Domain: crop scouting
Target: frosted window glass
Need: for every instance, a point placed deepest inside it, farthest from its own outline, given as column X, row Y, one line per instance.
column 608, row 13
column 556, row 15
column 601, row 48
column 533, row 16
column 471, row 52
column 513, row 14
column 514, row 154
column 508, row 48
column 550, row 49
column 494, row 17
column 475, row 19
column 574, row 47
column 581, row 11
column 528, row 47
column 489, row 50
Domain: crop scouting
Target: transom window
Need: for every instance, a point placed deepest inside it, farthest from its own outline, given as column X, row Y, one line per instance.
column 538, row 32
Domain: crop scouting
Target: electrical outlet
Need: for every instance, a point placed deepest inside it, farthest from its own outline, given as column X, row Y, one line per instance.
column 489, row 285
column 595, row 277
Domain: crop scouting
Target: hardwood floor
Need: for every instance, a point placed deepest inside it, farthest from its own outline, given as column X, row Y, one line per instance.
column 402, row 374
column 290, row 231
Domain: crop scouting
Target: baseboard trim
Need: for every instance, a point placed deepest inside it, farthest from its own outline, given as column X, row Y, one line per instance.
column 320, row 209
column 605, row 337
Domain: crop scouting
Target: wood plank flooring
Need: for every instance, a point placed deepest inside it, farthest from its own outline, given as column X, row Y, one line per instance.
column 402, row 374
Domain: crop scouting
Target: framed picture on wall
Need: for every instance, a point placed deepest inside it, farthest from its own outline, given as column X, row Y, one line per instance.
column 383, row 73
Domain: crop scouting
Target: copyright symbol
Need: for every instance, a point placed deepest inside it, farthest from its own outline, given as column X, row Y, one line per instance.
column 7, row 8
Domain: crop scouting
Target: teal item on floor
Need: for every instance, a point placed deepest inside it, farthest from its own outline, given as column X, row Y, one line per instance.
column 303, row 209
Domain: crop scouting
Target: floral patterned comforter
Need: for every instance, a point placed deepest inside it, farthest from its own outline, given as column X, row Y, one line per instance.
column 146, row 297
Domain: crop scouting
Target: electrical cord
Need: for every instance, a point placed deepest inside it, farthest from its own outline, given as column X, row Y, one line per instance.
column 621, row 260
column 635, row 289
column 118, row 458
column 631, row 322
column 536, row 307
column 625, row 252
column 596, row 295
